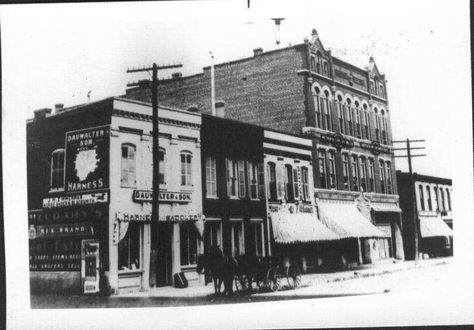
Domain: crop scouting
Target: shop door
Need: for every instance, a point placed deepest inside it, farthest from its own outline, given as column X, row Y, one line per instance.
column 90, row 266
column 164, row 245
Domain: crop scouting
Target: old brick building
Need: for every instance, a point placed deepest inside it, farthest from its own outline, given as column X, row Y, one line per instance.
column 304, row 90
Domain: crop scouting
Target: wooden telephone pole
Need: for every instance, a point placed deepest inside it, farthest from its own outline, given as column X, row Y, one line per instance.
column 416, row 222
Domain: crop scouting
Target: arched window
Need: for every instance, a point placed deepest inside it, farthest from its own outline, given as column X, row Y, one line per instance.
column 271, row 179
column 384, row 127
column 366, row 122
column 449, row 199
column 128, row 178
column 358, row 130
column 326, row 111
column 341, row 114
column 383, row 186
column 349, row 116
column 318, row 63
column 57, row 169
column 377, row 124
column 161, row 166
column 186, row 168
column 317, row 107
column 288, row 182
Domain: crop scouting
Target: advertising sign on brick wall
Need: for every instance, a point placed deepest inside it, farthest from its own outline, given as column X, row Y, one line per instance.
column 87, row 159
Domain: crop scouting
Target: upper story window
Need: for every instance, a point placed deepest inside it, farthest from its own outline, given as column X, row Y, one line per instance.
column 436, row 198
column 211, row 182
column 382, row 177
column 422, row 197
column 358, row 128
column 57, row 169
column 332, row 169
column 272, row 184
column 318, row 62
column 345, row 171
column 232, row 182
column 377, row 125
column 388, row 169
column 313, row 63
column 448, row 196
column 372, row 86
column 383, row 120
column 326, row 69
column 242, row 187
column 442, row 199
column 296, row 182
column 350, row 119
column 381, row 90
column 317, row 107
column 161, row 166
column 363, row 173
column 255, row 180
column 322, row 169
column 186, row 168
column 128, row 178
column 428, row 196
column 288, row 183
column 341, row 114
column 366, row 120
column 371, row 176
column 326, row 111
column 305, row 179
column 355, row 173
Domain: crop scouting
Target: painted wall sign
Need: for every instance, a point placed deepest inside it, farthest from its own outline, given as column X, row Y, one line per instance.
column 166, row 196
column 87, row 159
column 181, row 217
column 337, row 140
column 64, row 230
column 132, row 217
column 375, row 147
column 75, row 200
column 82, row 214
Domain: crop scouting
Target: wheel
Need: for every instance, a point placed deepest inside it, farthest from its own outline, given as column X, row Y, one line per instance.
column 273, row 279
column 294, row 277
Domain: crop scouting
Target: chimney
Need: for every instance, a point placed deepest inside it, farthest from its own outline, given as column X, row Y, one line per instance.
column 58, row 107
column 193, row 108
column 42, row 113
column 220, row 109
column 257, row 51
column 176, row 75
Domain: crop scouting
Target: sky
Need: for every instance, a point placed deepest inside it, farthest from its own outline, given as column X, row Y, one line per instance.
column 57, row 53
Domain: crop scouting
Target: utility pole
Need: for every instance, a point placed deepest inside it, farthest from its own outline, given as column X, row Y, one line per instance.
column 416, row 222
column 154, row 105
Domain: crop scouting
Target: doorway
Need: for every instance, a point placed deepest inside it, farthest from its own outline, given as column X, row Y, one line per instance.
column 162, row 237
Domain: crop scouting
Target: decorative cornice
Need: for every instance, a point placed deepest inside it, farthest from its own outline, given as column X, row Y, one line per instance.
column 166, row 121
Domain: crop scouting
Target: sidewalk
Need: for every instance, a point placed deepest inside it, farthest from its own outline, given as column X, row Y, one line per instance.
column 380, row 268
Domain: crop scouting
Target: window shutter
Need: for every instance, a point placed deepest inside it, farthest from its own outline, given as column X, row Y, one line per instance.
column 279, row 180
column 261, row 181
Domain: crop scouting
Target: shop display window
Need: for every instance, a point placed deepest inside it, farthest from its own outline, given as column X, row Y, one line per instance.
column 129, row 249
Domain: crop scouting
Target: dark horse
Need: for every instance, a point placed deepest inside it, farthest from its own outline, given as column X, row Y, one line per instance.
column 219, row 267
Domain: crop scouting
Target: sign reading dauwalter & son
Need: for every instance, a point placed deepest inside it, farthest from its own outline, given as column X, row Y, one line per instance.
column 87, row 159
column 74, row 200
column 166, row 197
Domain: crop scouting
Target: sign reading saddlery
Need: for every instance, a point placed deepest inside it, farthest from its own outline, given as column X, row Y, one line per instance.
column 166, row 197
column 74, row 200
column 87, row 159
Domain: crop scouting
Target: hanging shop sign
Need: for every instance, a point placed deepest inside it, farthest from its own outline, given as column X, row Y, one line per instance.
column 163, row 197
column 87, row 159
column 79, row 214
column 64, row 230
column 75, row 200
column 133, row 217
column 180, row 217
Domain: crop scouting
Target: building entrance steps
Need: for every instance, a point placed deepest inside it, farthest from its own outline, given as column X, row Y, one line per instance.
column 386, row 266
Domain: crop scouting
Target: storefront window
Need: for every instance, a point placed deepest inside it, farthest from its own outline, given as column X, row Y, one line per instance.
column 129, row 248
column 237, row 238
column 57, row 169
column 422, row 197
column 211, row 184
column 186, row 169
column 256, row 229
column 212, row 234
column 428, row 196
column 128, row 166
column 189, row 244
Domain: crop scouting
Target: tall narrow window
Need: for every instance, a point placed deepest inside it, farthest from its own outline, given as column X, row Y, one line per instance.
column 428, row 196
column 377, row 125
column 350, row 121
column 57, row 169
column 252, row 175
column 358, row 130
column 128, row 178
column 280, row 183
column 355, row 173
column 288, row 179
column 261, row 181
column 366, row 122
column 232, row 183
column 345, row 171
column 211, row 182
column 296, row 183
column 326, row 111
column 422, row 197
column 363, row 171
column 188, row 244
column 326, row 69
column 383, row 127
column 436, row 198
column 186, row 169
column 317, row 107
column 237, row 238
column 161, row 166
column 129, row 249
column 341, row 114
column 388, row 167
column 318, row 63
column 241, row 165
column 371, row 176
column 272, row 184
column 256, row 230
column 442, row 199
column 383, row 186
column 372, row 88
column 448, row 196
column 322, row 169
column 305, row 179
column 313, row 63
column 212, row 234
column 332, row 169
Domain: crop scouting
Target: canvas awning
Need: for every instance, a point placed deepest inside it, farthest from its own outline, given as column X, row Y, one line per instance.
column 346, row 221
column 434, row 226
column 299, row 227
column 386, row 207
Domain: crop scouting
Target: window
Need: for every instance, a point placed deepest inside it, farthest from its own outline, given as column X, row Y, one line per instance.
column 382, row 177
column 186, row 179
column 313, row 63
column 161, row 166
column 345, row 171
column 381, row 91
column 211, row 183
column 188, row 244
column 388, row 177
column 326, row 69
column 252, row 175
column 428, row 195
column 296, row 183
column 318, row 63
column 317, row 107
column 436, row 198
column 304, row 178
column 372, row 88
column 377, row 125
column 349, row 116
column 288, row 180
column 256, row 232
column 422, row 197
column 358, row 130
column 383, row 121
column 332, row 169
column 448, row 198
column 237, row 238
column 326, row 105
column 341, row 114
column 57, row 169
column 366, row 117
column 272, row 184
column 371, row 176
column 261, row 181
column 129, row 248
column 442, row 199
column 355, row 173
column 280, row 183
column 232, row 183
column 128, row 166
column 212, row 234
column 241, row 165
column 322, row 169
column 363, row 171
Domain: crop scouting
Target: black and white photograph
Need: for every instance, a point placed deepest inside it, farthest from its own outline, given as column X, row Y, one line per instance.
column 246, row 164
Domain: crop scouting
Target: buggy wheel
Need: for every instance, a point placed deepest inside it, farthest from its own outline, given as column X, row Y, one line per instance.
column 294, row 277
column 273, row 279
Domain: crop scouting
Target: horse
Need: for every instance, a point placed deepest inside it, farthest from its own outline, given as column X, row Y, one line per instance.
column 218, row 266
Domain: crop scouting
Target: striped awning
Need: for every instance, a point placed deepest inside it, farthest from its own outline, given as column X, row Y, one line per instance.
column 346, row 221
column 299, row 227
column 434, row 226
